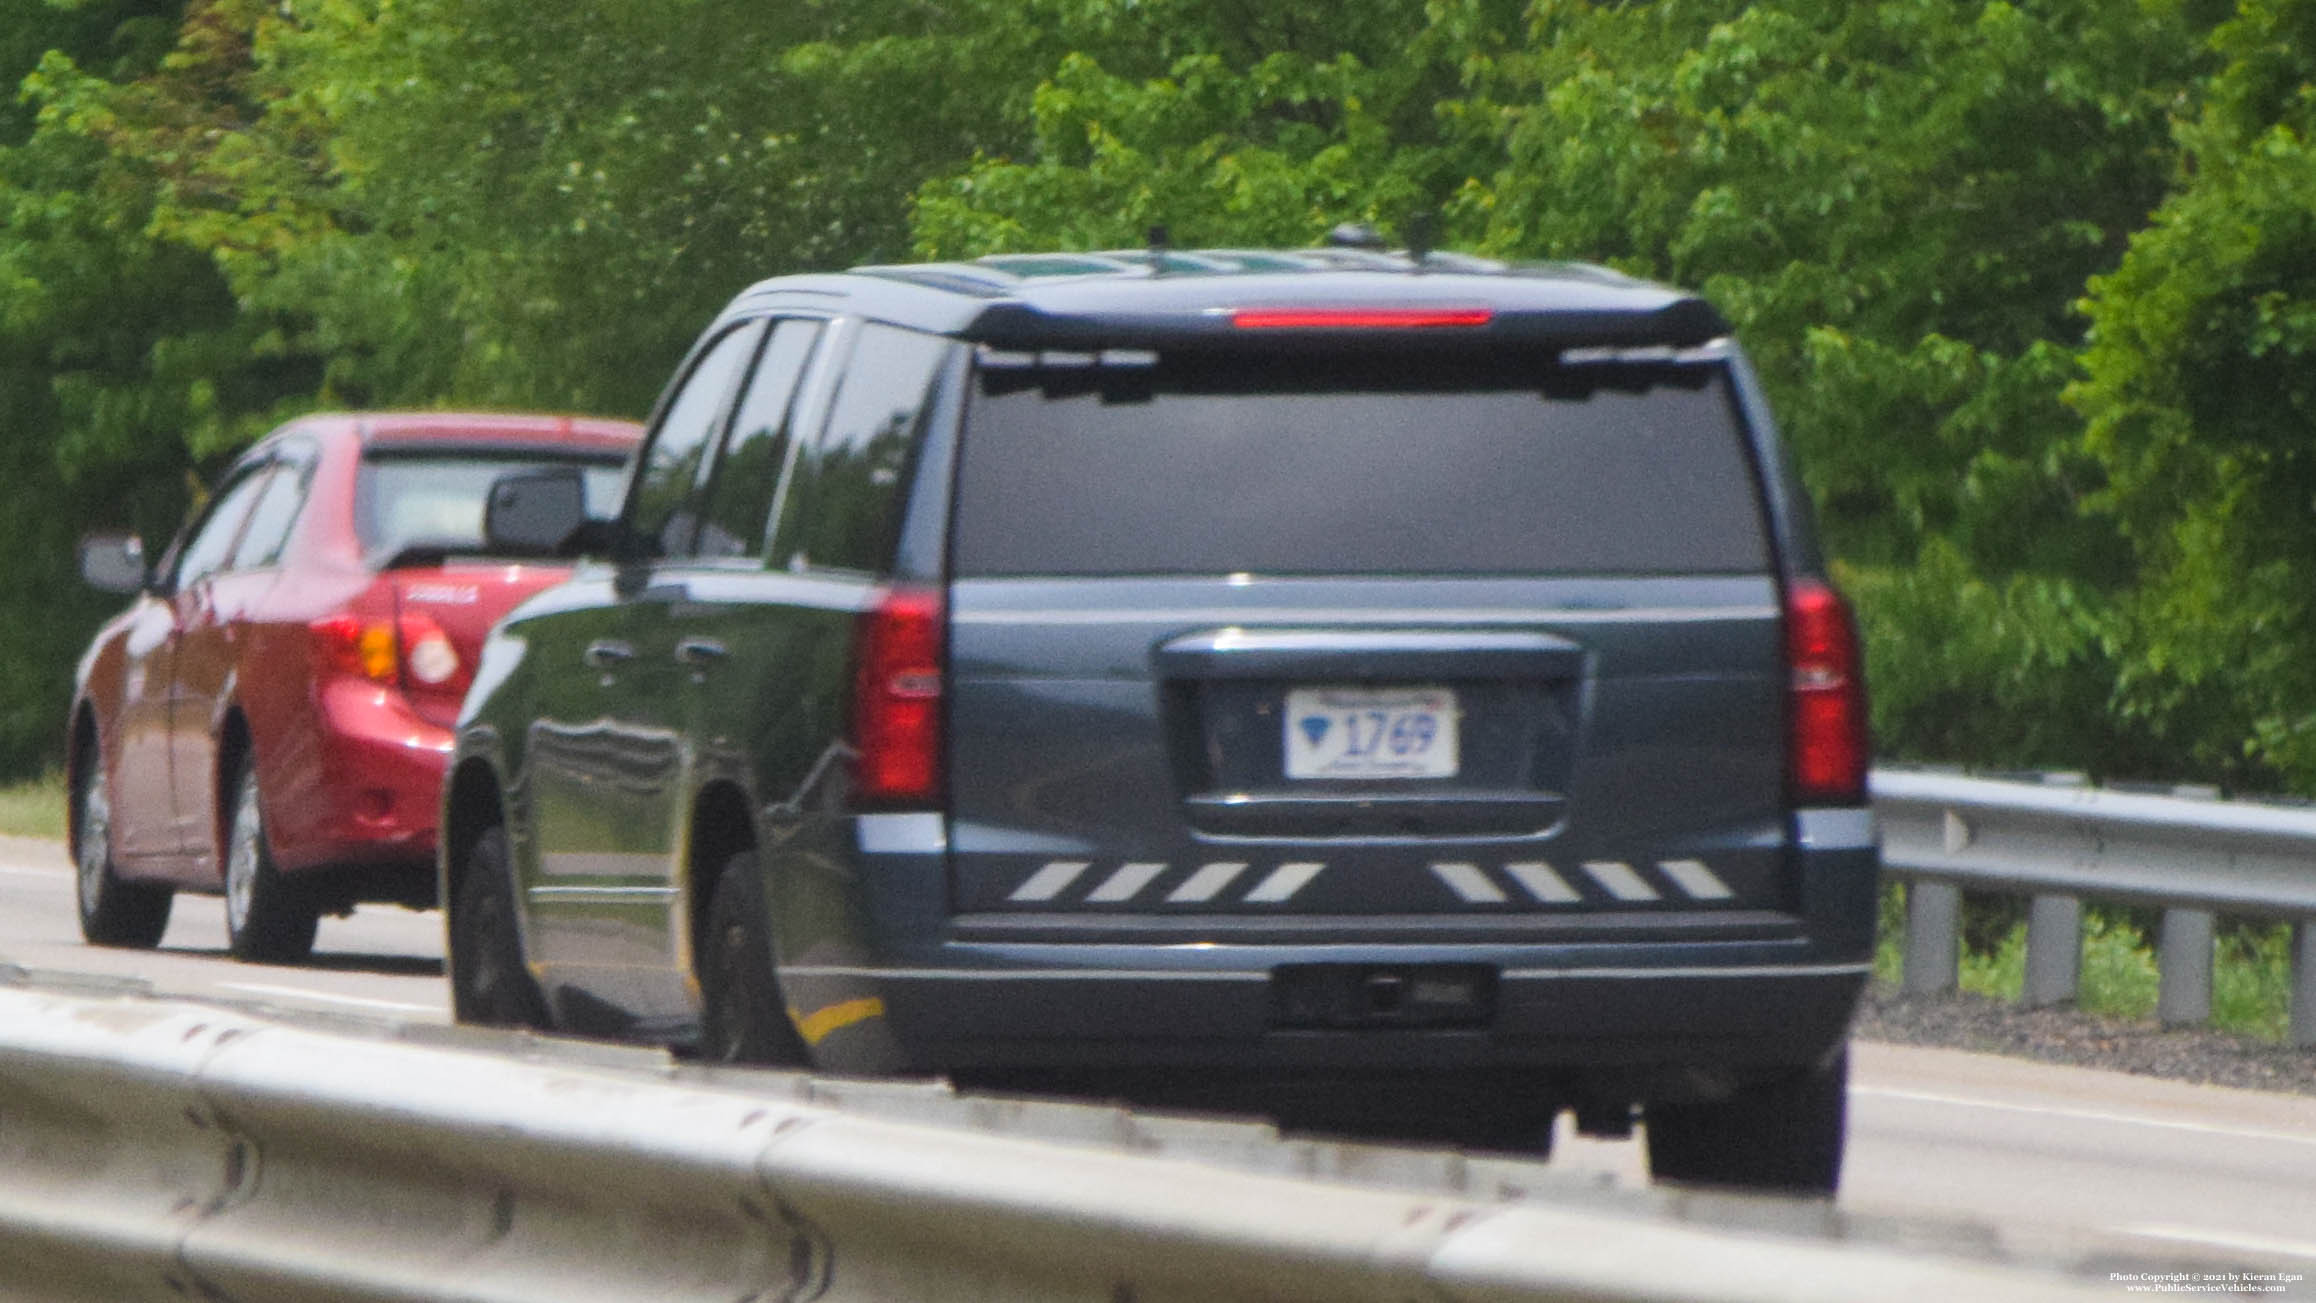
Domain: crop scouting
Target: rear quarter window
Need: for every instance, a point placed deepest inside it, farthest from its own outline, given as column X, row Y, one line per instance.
column 1415, row 465
column 844, row 503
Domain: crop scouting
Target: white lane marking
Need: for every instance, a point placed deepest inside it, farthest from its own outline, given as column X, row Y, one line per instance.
column 1547, row 887
column 1125, row 884
column 50, row 874
column 1050, row 881
column 1283, row 883
column 1619, row 880
column 2088, row 1115
column 1208, row 882
column 2254, row 1244
column 1694, row 877
column 1467, row 881
column 302, row 994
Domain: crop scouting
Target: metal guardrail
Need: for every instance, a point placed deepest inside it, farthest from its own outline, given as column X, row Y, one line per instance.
column 158, row 1150
column 2060, row 842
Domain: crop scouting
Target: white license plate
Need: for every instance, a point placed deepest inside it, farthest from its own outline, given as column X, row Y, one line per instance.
column 1371, row 733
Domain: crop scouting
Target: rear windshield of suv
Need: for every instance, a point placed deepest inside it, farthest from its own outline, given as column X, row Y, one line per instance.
column 430, row 500
column 1401, row 465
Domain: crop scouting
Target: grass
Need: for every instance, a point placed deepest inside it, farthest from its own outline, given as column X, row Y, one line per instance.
column 2251, row 973
column 34, row 808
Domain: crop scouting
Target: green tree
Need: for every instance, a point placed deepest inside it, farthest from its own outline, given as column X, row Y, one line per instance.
column 108, row 339
column 2200, row 396
column 1898, row 204
column 1255, row 126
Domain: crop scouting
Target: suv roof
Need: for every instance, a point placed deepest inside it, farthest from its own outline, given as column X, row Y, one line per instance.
column 1185, row 297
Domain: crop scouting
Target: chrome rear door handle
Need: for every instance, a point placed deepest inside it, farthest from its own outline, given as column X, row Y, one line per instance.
column 700, row 651
column 604, row 653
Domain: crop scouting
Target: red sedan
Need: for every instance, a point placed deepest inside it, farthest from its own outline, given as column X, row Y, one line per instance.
column 269, row 719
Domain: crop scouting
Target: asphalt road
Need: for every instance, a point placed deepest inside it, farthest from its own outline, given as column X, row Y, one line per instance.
column 2227, row 1176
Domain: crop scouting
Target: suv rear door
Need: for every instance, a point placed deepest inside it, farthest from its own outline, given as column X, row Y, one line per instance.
column 1362, row 646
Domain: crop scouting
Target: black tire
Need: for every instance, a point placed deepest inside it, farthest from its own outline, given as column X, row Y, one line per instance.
column 267, row 920
column 490, row 985
column 745, row 1019
column 112, row 912
column 1784, row 1135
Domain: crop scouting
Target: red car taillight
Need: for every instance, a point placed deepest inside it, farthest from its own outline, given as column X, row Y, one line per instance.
column 349, row 644
column 413, row 649
column 1827, row 751
column 896, row 700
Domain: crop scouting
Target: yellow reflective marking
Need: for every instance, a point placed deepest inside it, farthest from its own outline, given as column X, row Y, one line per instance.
column 818, row 1025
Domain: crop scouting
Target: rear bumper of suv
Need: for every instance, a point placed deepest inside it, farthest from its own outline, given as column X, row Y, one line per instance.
column 1741, row 990
column 1766, row 1015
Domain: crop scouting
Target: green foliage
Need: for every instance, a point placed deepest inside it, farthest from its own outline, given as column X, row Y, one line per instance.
column 1896, row 203
column 2252, row 979
column 2120, row 976
column 2251, row 976
column 34, row 808
column 2198, row 399
column 2020, row 669
column 2069, row 548
column 538, row 205
column 1997, row 972
column 1243, row 138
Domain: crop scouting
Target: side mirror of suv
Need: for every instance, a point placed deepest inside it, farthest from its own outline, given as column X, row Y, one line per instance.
column 114, row 563
column 535, row 512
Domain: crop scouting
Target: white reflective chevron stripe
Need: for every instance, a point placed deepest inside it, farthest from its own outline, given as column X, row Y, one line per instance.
column 1467, row 881
column 1283, row 882
column 1050, row 881
column 1125, row 884
column 1208, row 882
column 1538, row 879
column 1618, row 879
column 1699, row 881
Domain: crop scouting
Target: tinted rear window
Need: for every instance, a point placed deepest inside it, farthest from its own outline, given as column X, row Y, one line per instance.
column 405, row 499
column 1379, row 466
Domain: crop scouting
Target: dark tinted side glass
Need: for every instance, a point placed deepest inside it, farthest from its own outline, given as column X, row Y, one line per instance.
column 670, row 465
column 1379, row 465
column 734, row 515
column 844, row 505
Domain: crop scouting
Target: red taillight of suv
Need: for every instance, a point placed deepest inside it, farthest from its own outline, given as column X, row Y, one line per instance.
column 896, row 700
column 1827, row 751
column 413, row 650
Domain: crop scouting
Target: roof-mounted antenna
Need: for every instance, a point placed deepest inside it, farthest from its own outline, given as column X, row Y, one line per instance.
column 1160, row 240
column 1422, row 236
column 1354, row 235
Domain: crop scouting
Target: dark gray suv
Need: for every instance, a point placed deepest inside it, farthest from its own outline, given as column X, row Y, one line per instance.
column 1397, row 695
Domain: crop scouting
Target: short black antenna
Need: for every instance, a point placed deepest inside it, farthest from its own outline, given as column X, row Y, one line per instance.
column 1422, row 236
column 1160, row 240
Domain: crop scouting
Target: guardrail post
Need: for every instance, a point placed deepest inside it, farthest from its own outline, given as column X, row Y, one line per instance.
column 2303, row 1030
column 2054, row 957
column 1933, row 938
column 2183, row 998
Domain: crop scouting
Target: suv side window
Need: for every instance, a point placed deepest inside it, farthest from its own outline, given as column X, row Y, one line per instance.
column 844, row 502
column 657, row 518
column 212, row 540
column 734, row 512
column 270, row 519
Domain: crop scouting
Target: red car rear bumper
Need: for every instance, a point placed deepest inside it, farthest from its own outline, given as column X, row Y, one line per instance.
column 371, row 793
